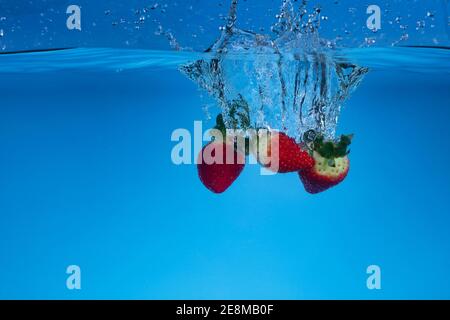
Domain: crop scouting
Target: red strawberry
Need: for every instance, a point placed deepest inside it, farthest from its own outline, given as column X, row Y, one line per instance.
column 287, row 155
column 215, row 172
column 331, row 165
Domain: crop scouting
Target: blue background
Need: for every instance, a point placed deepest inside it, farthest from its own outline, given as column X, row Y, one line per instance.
column 86, row 178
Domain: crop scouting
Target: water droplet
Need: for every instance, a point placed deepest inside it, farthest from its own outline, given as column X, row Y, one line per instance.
column 206, row 112
column 370, row 41
column 420, row 24
column 2, row 33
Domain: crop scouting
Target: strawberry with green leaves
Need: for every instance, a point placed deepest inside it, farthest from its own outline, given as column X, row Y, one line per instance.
column 331, row 164
column 220, row 162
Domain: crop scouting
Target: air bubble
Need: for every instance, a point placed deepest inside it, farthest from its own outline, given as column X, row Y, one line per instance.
column 420, row 24
column 370, row 41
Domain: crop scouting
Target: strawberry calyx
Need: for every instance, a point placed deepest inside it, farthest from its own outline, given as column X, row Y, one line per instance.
column 220, row 125
column 328, row 149
column 331, row 165
column 238, row 119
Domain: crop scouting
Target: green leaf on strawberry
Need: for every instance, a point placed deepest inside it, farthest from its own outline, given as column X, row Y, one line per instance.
column 330, row 149
column 331, row 163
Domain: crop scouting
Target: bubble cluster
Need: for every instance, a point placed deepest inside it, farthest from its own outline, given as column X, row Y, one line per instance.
column 289, row 82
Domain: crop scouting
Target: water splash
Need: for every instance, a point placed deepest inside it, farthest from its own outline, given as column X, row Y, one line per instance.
column 290, row 79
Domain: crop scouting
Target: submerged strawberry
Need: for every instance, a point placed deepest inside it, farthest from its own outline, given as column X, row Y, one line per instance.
column 280, row 153
column 215, row 172
column 331, row 165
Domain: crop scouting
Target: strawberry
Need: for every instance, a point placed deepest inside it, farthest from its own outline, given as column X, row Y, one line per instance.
column 288, row 155
column 215, row 172
column 331, row 165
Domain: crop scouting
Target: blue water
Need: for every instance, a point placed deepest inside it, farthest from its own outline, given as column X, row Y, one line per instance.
column 86, row 178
